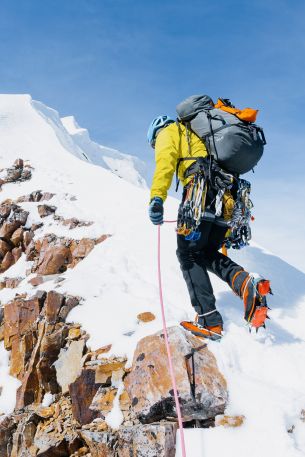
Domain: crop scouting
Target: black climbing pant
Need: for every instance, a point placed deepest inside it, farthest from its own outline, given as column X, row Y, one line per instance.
column 196, row 259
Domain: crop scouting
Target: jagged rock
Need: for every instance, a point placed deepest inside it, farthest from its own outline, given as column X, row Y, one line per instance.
column 8, row 229
column 147, row 440
column 101, row 444
column 27, row 238
column 23, row 438
column 5, row 209
column 146, row 317
column 31, row 251
column 35, row 336
column 149, row 384
column 8, row 426
column 82, row 248
column 13, row 174
column 103, row 400
column 54, row 260
column 73, row 222
column 46, row 431
column 52, row 255
column 30, row 391
column 82, row 391
column 17, row 236
column 18, row 163
column 22, row 348
column 16, row 219
column 46, row 196
column 53, row 302
column 17, row 252
column 46, row 210
column 36, row 226
column 74, row 333
column 102, row 238
column 36, row 281
column 103, row 350
column 125, row 402
column 55, row 443
column 81, row 452
column 229, row 421
column 25, row 175
column 106, row 367
column 68, row 365
column 51, row 345
column 69, row 304
column 1, row 324
column 12, row 283
column 40, row 375
column 19, row 318
column 7, row 262
column 46, row 412
column 35, row 196
column 32, row 197
column 4, row 248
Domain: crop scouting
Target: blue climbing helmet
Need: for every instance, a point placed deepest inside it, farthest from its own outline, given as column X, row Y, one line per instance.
column 158, row 123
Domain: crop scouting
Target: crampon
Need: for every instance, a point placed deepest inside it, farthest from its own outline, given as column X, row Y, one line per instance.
column 212, row 333
column 254, row 297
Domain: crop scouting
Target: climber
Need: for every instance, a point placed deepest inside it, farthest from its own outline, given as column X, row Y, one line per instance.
column 173, row 141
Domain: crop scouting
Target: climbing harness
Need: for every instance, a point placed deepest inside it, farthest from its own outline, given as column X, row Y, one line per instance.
column 169, row 356
column 240, row 231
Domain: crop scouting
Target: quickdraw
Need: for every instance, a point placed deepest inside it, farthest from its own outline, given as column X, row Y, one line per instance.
column 240, row 231
column 192, row 208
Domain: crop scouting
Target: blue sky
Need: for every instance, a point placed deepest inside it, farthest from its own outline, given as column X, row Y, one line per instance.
column 115, row 64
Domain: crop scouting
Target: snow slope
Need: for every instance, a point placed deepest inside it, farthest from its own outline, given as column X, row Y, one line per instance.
column 73, row 139
column 125, row 166
column 265, row 372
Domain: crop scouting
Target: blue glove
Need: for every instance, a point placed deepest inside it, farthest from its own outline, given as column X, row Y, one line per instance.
column 156, row 211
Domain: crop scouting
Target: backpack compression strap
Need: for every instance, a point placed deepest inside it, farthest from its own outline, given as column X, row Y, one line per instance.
column 188, row 139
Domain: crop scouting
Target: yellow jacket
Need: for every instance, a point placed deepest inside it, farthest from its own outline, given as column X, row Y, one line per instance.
column 172, row 145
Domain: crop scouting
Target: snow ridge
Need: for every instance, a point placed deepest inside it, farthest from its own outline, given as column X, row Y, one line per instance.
column 125, row 166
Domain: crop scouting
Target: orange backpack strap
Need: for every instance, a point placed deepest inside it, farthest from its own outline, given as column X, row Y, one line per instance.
column 246, row 114
column 224, row 250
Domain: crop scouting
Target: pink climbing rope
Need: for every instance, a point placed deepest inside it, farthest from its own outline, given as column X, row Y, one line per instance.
column 168, row 347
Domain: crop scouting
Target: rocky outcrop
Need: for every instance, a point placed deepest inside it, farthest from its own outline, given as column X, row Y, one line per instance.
column 8, row 426
column 50, row 356
column 19, row 171
column 35, row 332
column 36, row 196
column 57, row 432
column 13, row 235
column 146, row 317
column 202, row 388
column 52, row 255
column 150, row 440
column 73, row 401
column 72, row 222
column 46, row 210
column 10, row 283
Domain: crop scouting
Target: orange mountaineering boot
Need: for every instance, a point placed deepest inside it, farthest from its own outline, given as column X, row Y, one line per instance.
column 206, row 331
column 254, row 292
